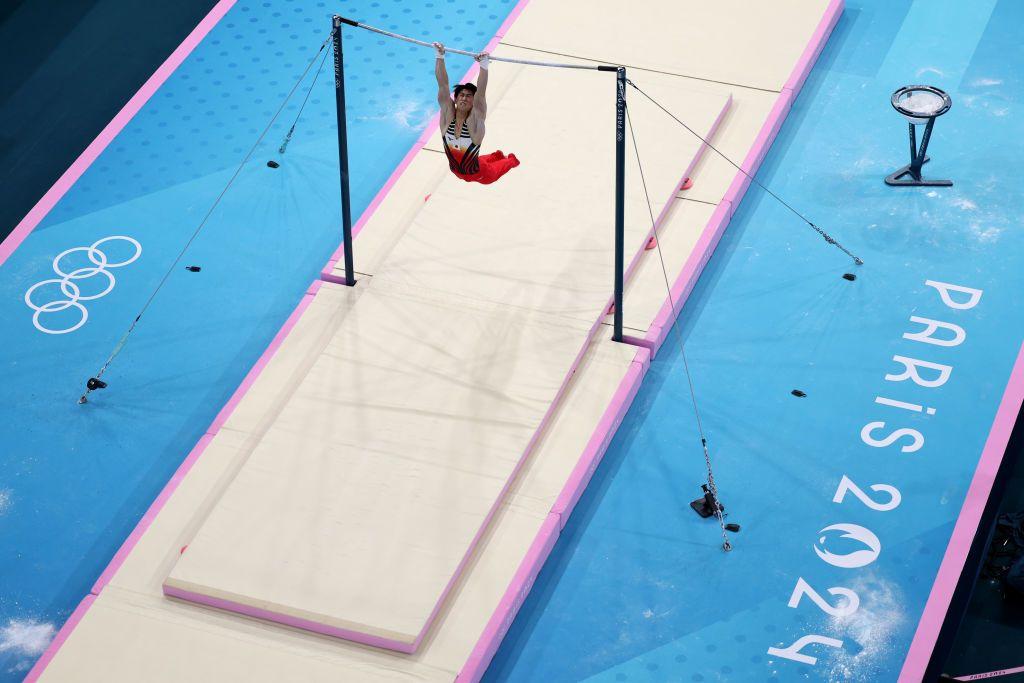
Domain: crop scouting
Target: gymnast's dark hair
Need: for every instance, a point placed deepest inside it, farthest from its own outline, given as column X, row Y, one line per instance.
column 464, row 86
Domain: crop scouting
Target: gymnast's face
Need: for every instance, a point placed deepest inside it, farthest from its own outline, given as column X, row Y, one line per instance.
column 464, row 101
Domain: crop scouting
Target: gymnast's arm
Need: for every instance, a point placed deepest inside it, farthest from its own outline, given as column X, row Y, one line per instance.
column 443, row 98
column 479, row 113
column 480, row 97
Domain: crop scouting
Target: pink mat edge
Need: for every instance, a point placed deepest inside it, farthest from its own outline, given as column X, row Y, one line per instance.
column 58, row 640
column 515, row 594
column 815, row 46
column 966, row 526
column 595, row 449
column 294, row 622
column 92, row 152
column 327, row 273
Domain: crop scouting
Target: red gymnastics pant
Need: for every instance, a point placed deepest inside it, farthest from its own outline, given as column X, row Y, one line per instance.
column 492, row 167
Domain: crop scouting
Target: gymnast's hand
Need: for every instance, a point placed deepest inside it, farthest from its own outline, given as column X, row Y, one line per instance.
column 485, row 60
column 439, row 47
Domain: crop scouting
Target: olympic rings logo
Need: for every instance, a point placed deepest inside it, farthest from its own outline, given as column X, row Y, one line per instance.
column 69, row 287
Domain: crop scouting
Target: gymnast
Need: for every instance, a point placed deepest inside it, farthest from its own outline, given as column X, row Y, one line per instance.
column 462, row 125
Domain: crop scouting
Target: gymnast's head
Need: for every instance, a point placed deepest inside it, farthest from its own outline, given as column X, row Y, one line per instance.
column 463, row 97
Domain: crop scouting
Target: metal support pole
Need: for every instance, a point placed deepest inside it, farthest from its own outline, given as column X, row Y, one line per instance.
column 915, row 171
column 922, row 151
column 620, row 192
column 346, row 211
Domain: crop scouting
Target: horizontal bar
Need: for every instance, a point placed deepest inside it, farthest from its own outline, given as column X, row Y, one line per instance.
column 407, row 39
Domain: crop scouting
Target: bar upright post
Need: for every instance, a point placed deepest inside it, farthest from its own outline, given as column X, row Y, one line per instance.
column 346, row 211
column 620, row 192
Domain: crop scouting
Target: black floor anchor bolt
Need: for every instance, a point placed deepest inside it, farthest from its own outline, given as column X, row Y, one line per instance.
column 273, row 164
column 92, row 384
column 849, row 276
column 707, row 505
column 193, row 269
column 798, row 393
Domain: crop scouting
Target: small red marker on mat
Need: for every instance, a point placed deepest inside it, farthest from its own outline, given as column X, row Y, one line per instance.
column 652, row 242
column 687, row 184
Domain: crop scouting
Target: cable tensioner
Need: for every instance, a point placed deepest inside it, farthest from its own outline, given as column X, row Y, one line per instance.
column 92, row 384
column 709, row 506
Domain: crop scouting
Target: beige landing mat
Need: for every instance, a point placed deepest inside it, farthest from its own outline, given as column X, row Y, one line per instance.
column 132, row 633
column 360, row 502
column 357, row 509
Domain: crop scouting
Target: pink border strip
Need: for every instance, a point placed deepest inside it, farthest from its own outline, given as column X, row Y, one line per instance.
column 295, row 622
column 112, row 129
column 151, row 513
column 602, row 436
column 966, row 526
column 431, row 127
column 815, row 46
column 62, row 635
column 502, row 617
